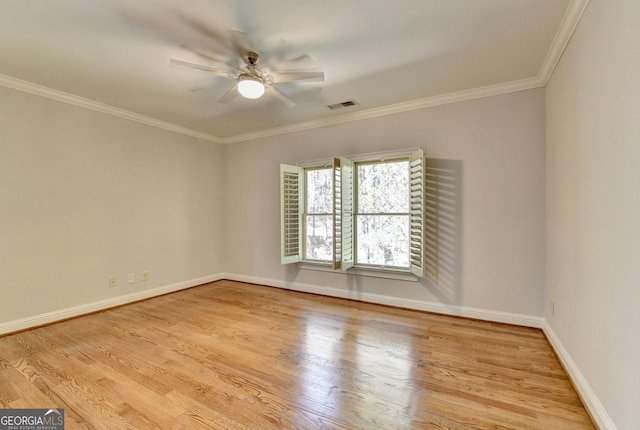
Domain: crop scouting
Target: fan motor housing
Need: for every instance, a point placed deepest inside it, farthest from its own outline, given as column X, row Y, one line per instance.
column 250, row 58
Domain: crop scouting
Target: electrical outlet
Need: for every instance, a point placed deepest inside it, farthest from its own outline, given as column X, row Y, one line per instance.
column 145, row 276
column 113, row 282
column 132, row 278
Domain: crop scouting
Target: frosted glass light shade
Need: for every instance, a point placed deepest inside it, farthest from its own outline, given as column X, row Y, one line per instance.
column 250, row 88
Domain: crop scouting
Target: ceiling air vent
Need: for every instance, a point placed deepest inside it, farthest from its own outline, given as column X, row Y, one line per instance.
column 342, row 105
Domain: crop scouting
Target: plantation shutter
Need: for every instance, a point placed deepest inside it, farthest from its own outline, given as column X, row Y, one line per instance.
column 291, row 186
column 416, row 198
column 337, row 214
column 346, row 169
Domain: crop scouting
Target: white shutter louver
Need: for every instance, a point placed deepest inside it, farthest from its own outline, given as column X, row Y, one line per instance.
column 337, row 214
column 346, row 206
column 291, row 180
column 416, row 176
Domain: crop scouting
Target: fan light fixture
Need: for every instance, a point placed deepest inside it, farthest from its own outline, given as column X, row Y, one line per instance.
column 250, row 87
column 249, row 80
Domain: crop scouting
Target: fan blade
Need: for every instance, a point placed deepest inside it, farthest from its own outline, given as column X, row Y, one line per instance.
column 281, row 96
column 281, row 55
column 229, row 95
column 299, row 58
column 240, row 42
column 203, row 68
column 223, row 60
column 205, row 29
column 280, row 77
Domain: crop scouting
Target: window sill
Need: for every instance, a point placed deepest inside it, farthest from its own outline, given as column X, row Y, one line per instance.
column 373, row 272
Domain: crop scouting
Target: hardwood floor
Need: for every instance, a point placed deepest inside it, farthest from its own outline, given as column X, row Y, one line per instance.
column 229, row 355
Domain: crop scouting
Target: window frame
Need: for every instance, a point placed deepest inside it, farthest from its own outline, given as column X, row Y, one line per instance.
column 344, row 167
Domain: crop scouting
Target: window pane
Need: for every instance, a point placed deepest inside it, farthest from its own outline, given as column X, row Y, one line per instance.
column 383, row 187
column 383, row 240
column 319, row 191
column 319, row 237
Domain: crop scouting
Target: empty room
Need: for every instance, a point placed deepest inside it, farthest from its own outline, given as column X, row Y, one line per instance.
column 234, row 214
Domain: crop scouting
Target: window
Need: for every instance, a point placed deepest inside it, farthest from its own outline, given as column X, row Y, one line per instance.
column 318, row 214
column 363, row 212
column 382, row 214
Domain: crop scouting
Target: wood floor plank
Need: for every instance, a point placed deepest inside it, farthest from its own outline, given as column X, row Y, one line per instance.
column 229, row 355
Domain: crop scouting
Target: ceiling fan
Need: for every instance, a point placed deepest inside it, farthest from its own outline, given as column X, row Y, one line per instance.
column 251, row 80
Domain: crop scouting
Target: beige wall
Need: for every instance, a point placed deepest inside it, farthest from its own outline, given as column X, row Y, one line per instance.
column 85, row 196
column 593, row 206
column 489, row 153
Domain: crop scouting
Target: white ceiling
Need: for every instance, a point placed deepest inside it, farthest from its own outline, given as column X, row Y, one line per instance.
column 113, row 55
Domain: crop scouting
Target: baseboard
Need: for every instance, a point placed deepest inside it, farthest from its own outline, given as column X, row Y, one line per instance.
column 588, row 396
column 75, row 311
column 591, row 402
column 462, row 311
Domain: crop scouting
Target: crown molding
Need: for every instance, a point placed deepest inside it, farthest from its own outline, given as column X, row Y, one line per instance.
column 39, row 90
column 567, row 27
column 569, row 22
column 459, row 96
column 476, row 93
